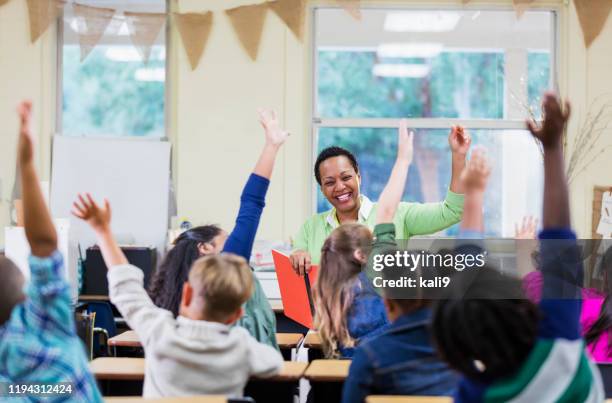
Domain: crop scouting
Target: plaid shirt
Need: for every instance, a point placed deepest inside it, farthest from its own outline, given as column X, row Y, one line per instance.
column 39, row 343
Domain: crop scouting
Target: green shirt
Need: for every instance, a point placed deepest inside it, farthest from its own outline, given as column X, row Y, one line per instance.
column 410, row 219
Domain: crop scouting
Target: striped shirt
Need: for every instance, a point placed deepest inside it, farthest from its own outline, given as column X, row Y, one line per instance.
column 39, row 342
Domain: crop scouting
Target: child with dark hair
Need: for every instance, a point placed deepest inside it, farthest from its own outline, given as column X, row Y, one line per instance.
column 506, row 347
column 400, row 360
column 38, row 340
column 165, row 287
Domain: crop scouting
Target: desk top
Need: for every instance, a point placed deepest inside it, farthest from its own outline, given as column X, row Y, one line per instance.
column 190, row 399
column 313, row 340
column 292, row 371
column 408, row 399
column 328, row 370
column 277, row 305
column 125, row 339
column 288, row 340
column 94, row 298
column 118, row 368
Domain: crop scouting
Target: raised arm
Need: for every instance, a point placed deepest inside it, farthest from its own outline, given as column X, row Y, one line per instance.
column 39, row 228
column 252, row 201
column 474, row 182
column 459, row 141
column 394, row 189
column 99, row 219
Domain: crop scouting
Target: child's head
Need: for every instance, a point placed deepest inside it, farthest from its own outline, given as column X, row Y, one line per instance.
column 218, row 286
column 343, row 256
column 486, row 328
column 11, row 288
column 173, row 272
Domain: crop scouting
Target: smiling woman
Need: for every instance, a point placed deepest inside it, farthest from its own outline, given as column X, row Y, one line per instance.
column 337, row 173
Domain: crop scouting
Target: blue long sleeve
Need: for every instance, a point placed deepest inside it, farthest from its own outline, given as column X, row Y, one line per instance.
column 252, row 203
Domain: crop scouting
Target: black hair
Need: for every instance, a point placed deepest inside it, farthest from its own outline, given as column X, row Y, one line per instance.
column 603, row 323
column 485, row 328
column 11, row 288
column 331, row 152
column 166, row 285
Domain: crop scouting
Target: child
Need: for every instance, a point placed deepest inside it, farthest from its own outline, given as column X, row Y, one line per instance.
column 200, row 352
column 400, row 361
column 38, row 341
column 509, row 349
column 165, row 288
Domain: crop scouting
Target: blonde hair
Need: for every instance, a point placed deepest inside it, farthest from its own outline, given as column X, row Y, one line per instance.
column 333, row 291
column 224, row 282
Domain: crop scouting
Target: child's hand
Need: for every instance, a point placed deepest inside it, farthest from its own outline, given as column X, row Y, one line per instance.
column 26, row 142
column 476, row 172
column 274, row 134
column 528, row 228
column 459, row 140
column 405, row 149
column 97, row 217
column 551, row 131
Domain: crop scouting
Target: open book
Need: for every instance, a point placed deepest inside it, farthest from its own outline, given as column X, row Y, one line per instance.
column 296, row 290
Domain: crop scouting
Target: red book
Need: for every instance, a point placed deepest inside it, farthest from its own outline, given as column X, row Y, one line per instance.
column 296, row 290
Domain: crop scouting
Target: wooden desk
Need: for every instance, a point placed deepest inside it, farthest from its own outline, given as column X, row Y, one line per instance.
column 118, row 368
column 408, row 399
column 94, row 298
column 277, row 305
column 190, row 399
column 125, row 339
column 326, row 379
column 280, row 388
column 313, row 343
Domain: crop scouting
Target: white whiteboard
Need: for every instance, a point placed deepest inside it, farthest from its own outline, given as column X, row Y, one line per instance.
column 133, row 174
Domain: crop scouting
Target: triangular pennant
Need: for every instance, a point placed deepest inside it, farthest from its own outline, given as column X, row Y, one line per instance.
column 593, row 15
column 42, row 13
column 3, row 2
column 353, row 7
column 91, row 23
column 293, row 13
column 194, row 29
column 520, row 6
column 248, row 23
column 144, row 29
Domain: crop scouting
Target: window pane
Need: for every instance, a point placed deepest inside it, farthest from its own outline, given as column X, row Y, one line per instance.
column 428, row 63
column 514, row 187
column 539, row 80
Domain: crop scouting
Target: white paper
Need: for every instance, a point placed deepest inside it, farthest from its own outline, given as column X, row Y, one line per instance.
column 604, row 228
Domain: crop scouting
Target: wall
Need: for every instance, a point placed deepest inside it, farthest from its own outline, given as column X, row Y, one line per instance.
column 213, row 121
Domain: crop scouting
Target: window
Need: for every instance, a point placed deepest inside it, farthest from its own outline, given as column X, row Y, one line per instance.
column 112, row 92
column 437, row 68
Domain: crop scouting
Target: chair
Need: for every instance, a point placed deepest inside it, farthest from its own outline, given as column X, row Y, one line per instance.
column 606, row 377
column 105, row 327
column 84, row 323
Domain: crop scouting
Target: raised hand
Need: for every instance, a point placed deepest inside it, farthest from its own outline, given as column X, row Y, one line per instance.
column 405, row 149
column 459, row 140
column 527, row 229
column 269, row 121
column 97, row 217
column 26, row 141
column 476, row 172
column 550, row 132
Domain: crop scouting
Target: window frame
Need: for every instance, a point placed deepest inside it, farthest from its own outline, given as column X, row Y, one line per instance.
column 318, row 122
column 59, row 89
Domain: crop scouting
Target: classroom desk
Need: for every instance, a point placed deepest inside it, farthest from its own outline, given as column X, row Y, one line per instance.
column 125, row 339
column 118, row 368
column 277, row 305
column 94, row 298
column 326, row 379
column 313, row 343
column 408, row 399
column 280, row 388
column 190, row 399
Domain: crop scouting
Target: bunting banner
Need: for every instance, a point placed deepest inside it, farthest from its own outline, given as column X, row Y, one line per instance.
column 592, row 15
column 3, row 2
column 353, row 7
column 293, row 14
column 42, row 14
column 520, row 6
column 144, row 29
column 248, row 23
column 92, row 22
column 194, row 29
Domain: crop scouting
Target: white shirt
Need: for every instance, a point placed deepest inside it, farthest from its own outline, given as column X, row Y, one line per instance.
column 184, row 356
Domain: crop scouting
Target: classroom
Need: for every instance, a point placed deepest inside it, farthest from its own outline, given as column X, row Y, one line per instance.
column 305, row 201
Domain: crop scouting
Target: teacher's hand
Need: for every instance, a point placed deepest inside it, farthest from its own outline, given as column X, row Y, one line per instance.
column 300, row 260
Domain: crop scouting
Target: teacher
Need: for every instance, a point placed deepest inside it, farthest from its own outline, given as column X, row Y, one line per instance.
column 337, row 173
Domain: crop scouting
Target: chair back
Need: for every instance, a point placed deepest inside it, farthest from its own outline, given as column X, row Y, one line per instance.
column 84, row 323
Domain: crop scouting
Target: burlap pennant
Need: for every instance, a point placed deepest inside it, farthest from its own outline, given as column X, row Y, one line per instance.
column 3, row 2
column 42, row 13
column 293, row 13
column 593, row 15
column 144, row 30
column 353, row 7
column 248, row 23
column 92, row 23
column 194, row 29
column 520, row 6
